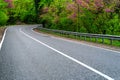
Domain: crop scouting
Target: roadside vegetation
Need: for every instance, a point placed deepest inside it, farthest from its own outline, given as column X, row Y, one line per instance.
column 89, row 16
column 86, row 16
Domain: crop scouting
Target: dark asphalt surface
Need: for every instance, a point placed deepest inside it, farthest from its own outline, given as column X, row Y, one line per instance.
column 22, row 58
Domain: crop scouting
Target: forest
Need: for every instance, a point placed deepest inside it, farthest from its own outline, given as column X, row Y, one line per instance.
column 86, row 16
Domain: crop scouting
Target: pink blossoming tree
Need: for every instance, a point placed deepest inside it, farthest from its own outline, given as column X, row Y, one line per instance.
column 10, row 3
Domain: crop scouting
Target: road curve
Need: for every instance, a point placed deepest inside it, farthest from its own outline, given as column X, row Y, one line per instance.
column 28, row 55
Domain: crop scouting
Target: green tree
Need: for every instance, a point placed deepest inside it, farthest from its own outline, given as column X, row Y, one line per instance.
column 3, row 13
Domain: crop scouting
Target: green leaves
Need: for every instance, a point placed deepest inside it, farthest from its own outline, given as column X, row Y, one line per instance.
column 3, row 13
column 92, row 16
column 114, row 24
column 3, row 18
column 24, row 11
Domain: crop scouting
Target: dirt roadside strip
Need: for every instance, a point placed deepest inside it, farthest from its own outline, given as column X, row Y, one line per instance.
column 2, row 29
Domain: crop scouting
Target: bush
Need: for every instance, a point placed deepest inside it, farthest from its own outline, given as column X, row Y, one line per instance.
column 65, row 24
column 3, row 18
column 28, row 17
column 114, row 25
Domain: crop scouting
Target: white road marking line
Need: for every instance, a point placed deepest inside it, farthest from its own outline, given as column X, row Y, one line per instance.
column 3, row 39
column 69, row 57
column 81, row 43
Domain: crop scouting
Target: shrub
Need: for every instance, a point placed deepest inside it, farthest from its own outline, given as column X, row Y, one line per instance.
column 3, row 18
column 113, row 25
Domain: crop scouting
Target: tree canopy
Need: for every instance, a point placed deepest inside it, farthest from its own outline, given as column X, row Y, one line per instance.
column 90, row 16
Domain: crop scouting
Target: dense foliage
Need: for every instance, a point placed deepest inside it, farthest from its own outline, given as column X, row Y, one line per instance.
column 3, row 13
column 89, row 16
column 17, row 11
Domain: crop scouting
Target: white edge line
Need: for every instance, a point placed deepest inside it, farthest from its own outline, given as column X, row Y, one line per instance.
column 82, row 43
column 3, row 39
column 69, row 57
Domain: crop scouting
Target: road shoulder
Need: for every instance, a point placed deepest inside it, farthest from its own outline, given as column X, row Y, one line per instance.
column 2, row 29
column 84, row 42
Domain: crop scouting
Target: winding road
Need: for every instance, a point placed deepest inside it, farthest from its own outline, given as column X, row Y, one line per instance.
column 28, row 55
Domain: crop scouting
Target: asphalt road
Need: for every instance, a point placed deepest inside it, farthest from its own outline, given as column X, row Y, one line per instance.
column 28, row 55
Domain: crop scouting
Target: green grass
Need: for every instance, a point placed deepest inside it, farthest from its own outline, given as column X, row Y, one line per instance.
column 115, row 43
